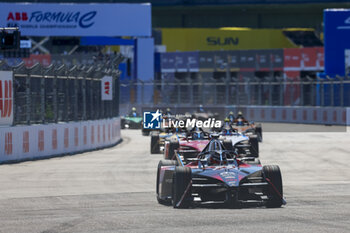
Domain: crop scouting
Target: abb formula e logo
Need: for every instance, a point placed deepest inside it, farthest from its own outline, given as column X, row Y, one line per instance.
column 6, row 98
column 74, row 19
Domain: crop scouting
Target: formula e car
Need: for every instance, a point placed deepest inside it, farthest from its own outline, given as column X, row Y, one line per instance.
column 131, row 122
column 189, row 146
column 159, row 138
column 246, row 145
column 218, row 176
column 195, row 141
column 248, row 128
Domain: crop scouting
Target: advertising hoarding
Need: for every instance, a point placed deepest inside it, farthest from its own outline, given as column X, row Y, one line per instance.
column 56, row 19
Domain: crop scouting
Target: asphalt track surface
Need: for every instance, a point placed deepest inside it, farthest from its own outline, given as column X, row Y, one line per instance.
column 113, row 190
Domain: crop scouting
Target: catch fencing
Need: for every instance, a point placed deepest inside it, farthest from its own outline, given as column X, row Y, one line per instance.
column 257, row 92
column 61, row 93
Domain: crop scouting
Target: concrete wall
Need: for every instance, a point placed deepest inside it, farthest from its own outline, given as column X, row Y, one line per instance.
column 20, row 143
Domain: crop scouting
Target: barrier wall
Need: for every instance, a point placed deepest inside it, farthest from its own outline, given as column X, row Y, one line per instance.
column 41, row 141
column 303, row 115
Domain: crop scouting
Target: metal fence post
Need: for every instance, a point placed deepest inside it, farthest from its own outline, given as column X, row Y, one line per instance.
column 249, row 92
column 202, row 92
column 28, row 98
column 341, row 92
column 142, row 91
column 322, row 92
column 14, row 97
column 292, row 92
column 178, row 92
column 227, row 91
column 67, row 102
column 281, row 93
column 301, row 93
column 42, row 98
column 270, row 93
column 312, row 93
column 237, row 93
column 260, row 93
column 75, row 80
column 332, row 92
column 215, row 92
column 84, row 96
column 191, row 91
column 54, row 98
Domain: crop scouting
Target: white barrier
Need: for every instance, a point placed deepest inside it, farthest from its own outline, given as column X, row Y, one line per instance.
column 304, row 115
column 38, row 141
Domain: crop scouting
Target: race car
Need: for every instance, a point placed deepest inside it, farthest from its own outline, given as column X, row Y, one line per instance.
column 197, row 139
column 190, row 145
column 248, row 128
column 245, row 145
column 159, row 138
column 131, row 121
column 203, row 115
column 218, row 176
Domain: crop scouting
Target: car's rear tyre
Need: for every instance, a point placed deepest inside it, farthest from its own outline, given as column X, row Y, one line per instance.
column 122, row 124
column 182, row 193
column 273, row 173
column 155, row 143
column 173, row 145
column 258, row 131
column 254, row 146
column 161, row 164
column 228, row 144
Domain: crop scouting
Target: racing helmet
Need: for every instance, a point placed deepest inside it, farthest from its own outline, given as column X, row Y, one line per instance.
column 133, row 109
column 240, row 114
column 197, row 135
column 200, row 108
column 231, row 116
column 217, row 154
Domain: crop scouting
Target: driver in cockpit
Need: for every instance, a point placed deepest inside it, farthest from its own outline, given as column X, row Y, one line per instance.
column 231, row 117
column 240, row 120
column 216, row 155
column 226, row 128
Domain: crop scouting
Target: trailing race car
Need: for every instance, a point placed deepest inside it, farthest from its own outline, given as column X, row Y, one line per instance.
column 203, row 115
column 218, row 176
column 189, row 146
column 131, row 121
column 245, row 145
column 197, row 139
column 159, row 138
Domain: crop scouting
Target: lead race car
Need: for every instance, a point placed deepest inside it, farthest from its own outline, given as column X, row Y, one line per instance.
column 218, row 176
